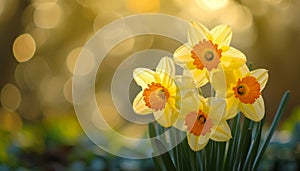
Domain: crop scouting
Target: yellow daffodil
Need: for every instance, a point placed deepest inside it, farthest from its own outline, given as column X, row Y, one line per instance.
column 207, row 50
column 158, row 95
column 207, row 123
column 243, row 92
column 201, row 118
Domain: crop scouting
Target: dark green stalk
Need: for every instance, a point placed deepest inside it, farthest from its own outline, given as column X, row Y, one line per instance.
column 218, row 154
column 164, row 160
column 176, row 152
column 213, row 155
column 193, row 160
column 200, row 160
column 208, row 155
column 222, row 154
column 253, row 147
column 204, row 158
column 184, row 156
column 278, row 115
column 245, row 149
column 165, row 156
column 158, row 163
column 241, row 143
column 233, row 143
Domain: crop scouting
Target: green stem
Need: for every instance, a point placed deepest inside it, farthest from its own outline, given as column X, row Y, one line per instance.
column 254, row 146
column 233, row 143
column 241, row 143
column 278, row 115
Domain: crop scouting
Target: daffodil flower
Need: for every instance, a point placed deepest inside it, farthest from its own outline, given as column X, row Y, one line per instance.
column 158, row 95
column 202, row 118
column 207, row 50
column 207, row 123
column 243, row 92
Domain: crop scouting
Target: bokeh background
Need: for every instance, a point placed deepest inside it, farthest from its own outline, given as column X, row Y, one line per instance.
column 40, row 41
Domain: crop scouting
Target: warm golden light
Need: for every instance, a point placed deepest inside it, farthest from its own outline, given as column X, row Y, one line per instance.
column 143, row 5
column 47, row 15
column 212, row 4
column 124, row 47
column 104, row 19
column 10, row 97
column 40, row 36
column 72, row 58
column 83, row 66
column 24, row 47
column 68, row 91
column 99, row 6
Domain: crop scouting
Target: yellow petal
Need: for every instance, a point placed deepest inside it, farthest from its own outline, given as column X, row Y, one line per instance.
column 262, row 77
column 201, row 28
column 197, row 142
column 255, row 111
column 166, row 71
column 196, row 33
column 232, row 107
column 216, row 111
column 200, row 77
column 232, row 59
column 190, row 103
column 182, row 57
column 188, row 96
column 222, row 35
column 179, row 123
column 217, row 107
column 167, row 116
column 144, row 76
column 222, row 133
column 244, row 70
column 218, row 81
column 139, row 105
column 232, row 76
column 186, row 83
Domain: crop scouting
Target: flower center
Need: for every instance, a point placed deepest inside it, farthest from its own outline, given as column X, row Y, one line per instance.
column 156, row 96
column 198, row 123
column 206, row 54
column 247, row 90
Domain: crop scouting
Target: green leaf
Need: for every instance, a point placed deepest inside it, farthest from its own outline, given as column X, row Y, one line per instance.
column 245, row 149
column 233, row 143
column 165, row 156
column 241, row 143
column 193, row 160
column 204, row 159
column 158, row 163
column 164, row 160
column 183, row 155
column 222, row 154
column 200, row 160
column 151, row 130
column 254, row 146
column 218, row 157
column 278, row 115
column 209, row 155
column 213, row 156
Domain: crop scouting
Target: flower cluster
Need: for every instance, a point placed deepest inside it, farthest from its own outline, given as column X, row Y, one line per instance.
column 176, row 100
